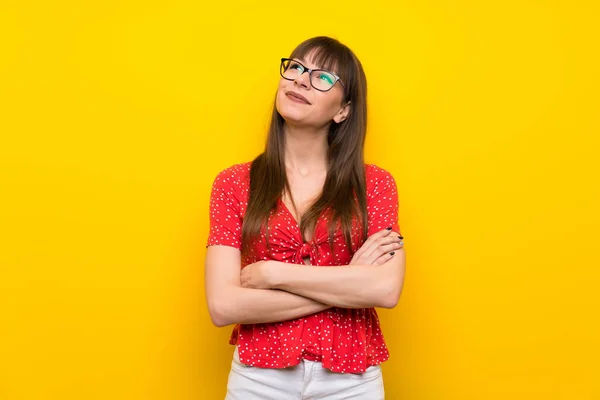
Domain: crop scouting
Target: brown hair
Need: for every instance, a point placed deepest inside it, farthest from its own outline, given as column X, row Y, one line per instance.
column 345, row 179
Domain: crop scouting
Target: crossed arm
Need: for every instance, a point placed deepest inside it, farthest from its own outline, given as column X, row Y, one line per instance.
column 273, row 291
column 347, row 286
column 230, row 303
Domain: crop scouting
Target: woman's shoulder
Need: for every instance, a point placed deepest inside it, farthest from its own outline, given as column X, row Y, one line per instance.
column 373, row 173
column 235, row 174
column 378, row 181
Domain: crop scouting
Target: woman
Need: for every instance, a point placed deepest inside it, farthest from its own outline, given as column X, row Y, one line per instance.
column 316, row 233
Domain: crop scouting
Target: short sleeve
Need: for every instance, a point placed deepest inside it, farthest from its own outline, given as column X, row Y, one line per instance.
column 225, row 214
column 382, row 201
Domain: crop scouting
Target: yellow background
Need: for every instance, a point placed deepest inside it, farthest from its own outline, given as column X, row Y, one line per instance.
column 116, row 116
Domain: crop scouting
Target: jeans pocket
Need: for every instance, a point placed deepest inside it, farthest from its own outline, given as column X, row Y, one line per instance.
column 371, row 373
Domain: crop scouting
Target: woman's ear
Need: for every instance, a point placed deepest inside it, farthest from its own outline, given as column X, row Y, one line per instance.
column 342, row 114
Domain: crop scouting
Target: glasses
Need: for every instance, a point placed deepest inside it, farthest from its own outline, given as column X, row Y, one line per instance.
column 320, row 79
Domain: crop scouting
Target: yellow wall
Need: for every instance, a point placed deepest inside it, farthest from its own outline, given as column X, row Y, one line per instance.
column 115, row 118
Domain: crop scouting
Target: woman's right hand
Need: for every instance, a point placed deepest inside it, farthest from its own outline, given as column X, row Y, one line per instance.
column 378, row 248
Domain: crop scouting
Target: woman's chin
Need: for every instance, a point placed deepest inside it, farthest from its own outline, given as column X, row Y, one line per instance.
column 292, row 116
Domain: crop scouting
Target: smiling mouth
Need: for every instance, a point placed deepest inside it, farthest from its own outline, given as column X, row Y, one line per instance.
column 297, row 98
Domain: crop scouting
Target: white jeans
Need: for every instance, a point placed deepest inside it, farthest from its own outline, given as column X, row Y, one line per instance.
column 305, row 381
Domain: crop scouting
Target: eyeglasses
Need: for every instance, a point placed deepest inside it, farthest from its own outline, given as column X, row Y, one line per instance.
column 320, row 79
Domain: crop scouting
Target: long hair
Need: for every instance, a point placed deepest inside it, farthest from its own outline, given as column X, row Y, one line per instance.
column 344, row 190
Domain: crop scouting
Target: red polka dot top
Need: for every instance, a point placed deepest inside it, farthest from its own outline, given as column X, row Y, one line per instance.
column 343, row 340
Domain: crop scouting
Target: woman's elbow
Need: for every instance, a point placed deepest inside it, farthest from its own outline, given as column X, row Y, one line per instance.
column 390, row 295
column 391, row 287
column 219, row 315
column 390, row 300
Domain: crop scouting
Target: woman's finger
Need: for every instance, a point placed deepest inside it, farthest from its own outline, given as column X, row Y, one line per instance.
column 376, row 236
column 379, row 243
column 375, row 241
column 379, row 255
column 384, row 258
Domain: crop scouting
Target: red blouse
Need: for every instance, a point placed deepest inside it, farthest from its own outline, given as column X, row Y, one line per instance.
column 343, row 340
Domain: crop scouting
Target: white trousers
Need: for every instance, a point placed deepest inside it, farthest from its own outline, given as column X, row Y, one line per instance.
column 305, row 381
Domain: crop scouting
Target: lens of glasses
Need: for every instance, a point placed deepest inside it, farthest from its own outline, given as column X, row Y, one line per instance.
column 320, row 79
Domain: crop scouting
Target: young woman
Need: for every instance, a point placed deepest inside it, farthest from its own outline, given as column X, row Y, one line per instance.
column 315, row 231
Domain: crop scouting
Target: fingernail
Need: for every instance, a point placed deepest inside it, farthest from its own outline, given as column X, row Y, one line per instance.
column 392, row 253
column 401, row 243
column 389, row 229
column 400, row 237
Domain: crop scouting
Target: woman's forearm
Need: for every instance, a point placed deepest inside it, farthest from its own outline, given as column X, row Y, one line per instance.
column 252, row 306
column 348, row 286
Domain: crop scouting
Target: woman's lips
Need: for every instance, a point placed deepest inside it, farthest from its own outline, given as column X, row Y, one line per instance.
column 297, row 98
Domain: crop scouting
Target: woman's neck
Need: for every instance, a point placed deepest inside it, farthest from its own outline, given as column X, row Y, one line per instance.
column 306, row 149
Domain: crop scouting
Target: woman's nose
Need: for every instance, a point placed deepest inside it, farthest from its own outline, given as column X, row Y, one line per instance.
column 303, row 79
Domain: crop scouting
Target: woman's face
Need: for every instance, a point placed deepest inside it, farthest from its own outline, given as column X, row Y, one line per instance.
column 302, row 105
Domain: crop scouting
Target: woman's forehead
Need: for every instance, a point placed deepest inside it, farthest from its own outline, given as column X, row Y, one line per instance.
column 316, row 59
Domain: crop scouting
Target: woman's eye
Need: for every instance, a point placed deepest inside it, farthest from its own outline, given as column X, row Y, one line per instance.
column 296, row 66
column 326, row 78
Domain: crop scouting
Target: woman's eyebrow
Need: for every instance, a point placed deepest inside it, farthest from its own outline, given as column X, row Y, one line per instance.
column 317, row 67
column 304, row 62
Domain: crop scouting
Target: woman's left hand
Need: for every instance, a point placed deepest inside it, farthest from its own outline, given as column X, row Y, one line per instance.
column 256, row 275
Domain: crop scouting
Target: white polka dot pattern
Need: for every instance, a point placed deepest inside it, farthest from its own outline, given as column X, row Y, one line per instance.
column 344, row 340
